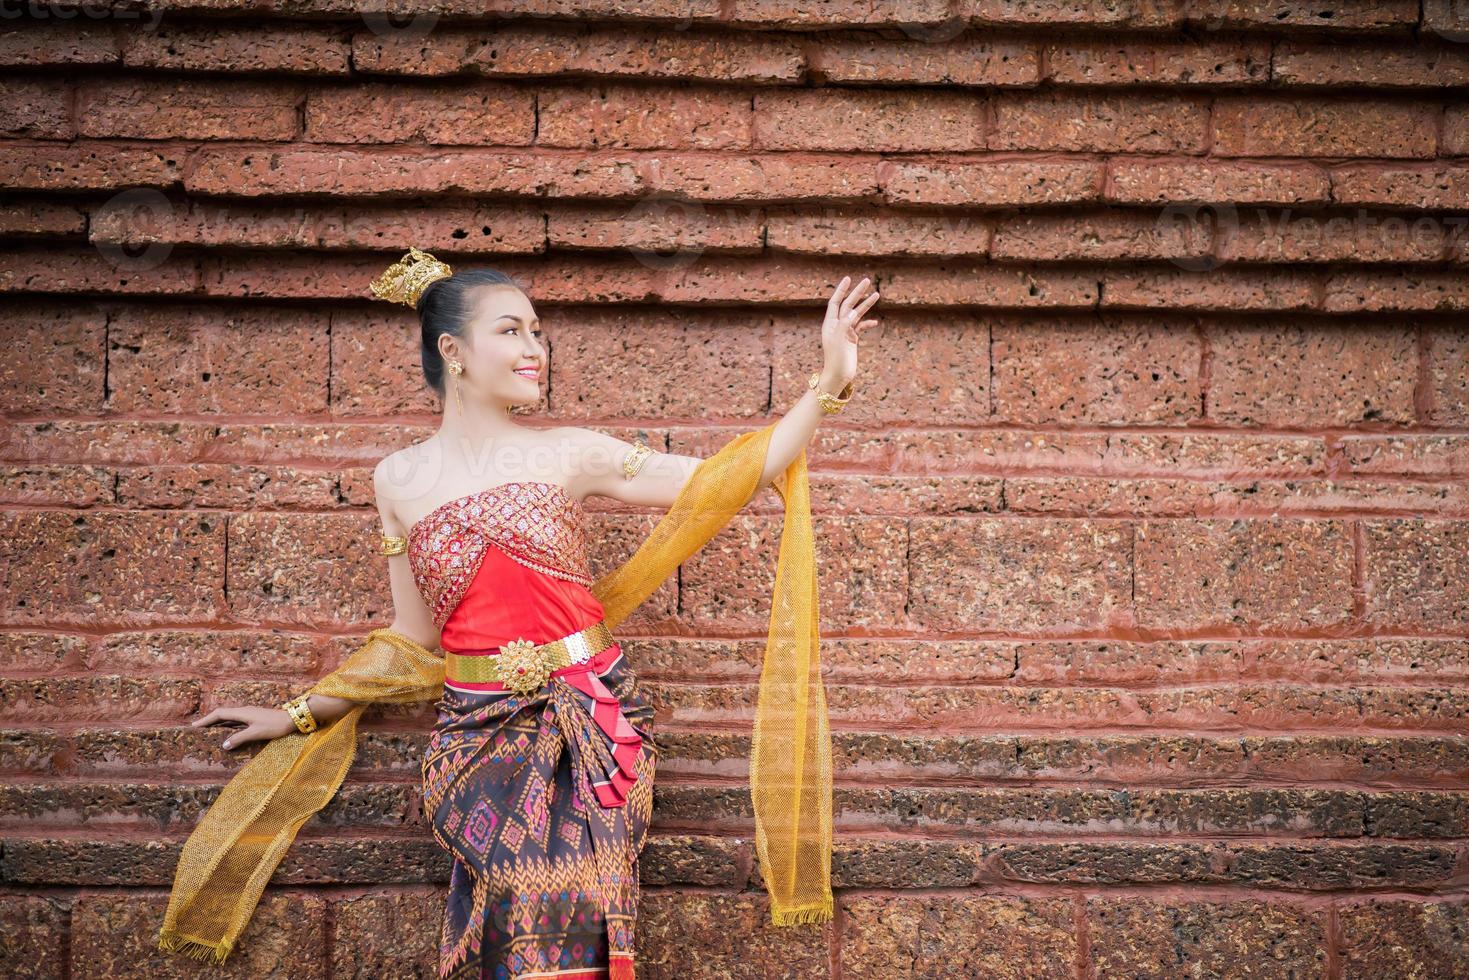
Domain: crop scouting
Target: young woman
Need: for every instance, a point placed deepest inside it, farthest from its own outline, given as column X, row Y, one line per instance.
column 539, row 771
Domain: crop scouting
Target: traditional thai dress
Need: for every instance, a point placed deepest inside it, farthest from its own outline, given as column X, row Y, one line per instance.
column 543, row 799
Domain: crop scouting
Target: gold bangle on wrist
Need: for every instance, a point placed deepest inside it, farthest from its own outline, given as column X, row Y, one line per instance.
column 393, row 545
column 829, row 402
column 300, row 713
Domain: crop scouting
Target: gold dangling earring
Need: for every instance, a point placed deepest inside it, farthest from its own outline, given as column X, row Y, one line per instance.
column 456, row 369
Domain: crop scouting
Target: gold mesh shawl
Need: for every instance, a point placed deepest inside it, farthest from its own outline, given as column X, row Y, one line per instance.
column 240, row 840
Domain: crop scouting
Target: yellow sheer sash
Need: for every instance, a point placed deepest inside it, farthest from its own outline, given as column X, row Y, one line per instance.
column 241, row 839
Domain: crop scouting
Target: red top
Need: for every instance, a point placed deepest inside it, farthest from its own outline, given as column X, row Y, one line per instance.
column 505, row 563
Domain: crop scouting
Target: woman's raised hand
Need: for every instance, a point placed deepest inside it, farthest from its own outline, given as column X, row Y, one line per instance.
column 260, row 723
column 839, row 332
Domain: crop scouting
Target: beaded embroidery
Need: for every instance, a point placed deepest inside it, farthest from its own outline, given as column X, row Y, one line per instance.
column 535, row 524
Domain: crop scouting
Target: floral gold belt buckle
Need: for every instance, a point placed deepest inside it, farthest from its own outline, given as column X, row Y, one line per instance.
column 522, row 668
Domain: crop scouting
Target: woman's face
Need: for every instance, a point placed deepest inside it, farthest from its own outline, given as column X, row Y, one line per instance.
column 504, row 358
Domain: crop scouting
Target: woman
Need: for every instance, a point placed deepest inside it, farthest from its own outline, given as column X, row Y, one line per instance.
column 538, row 773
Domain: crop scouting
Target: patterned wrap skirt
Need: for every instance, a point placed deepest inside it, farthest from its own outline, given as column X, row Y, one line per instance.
column 544, row 802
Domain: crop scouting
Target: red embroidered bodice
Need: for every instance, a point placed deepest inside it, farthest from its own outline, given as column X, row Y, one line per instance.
column 502, row 563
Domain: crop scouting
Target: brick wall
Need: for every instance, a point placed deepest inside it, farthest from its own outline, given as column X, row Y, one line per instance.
column 1142, row 544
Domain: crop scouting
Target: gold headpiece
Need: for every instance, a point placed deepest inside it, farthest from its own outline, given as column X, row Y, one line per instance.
column 405, row 280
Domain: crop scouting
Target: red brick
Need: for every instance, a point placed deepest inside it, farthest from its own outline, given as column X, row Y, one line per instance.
column 1195, row 62
column 377, row 367
column 1163, row 181
column 993, row 935
column 1065, row 120
column 1415, row 574
column 123, row 441
column 866, row 121
column 1255, row 574
column 99, row 270
column 1428, row 290
column 481, row 114
column 1124, row 13
column 260, row 171
column 203, row 359
column 776, row 177
column 684, row 934
column 115, row 934
column 1448, row 376
column 641, row 117
column 986, row 182
column 94, row 568
column 1378, row 65
column 57, row 42
column 1412, row 455
column 51, row 653
column 837, row 13
column 1392, row 17
column 260, row 48
column 662, row 232
column 545, row 50
column 36, row 108
column 196, row 110
column 57, row 362
column 970, row 60
column 1140, row 937
column 334, row 443
column 1445, row 19
column 42, row 219
column 1404, row 937
column 1221, row 289
column 1294, row 376
column 86, row 166
column 1102, row 235
column 1260, row 235
column 1111, row 372
column 226, row 485
column 677, row 364
column 36, row 928
column 389, row 935
column 1258, row 126
column 307, row 570
column 1018, row 575
column 958, row 283
column 1425, row 186
column 835, row 231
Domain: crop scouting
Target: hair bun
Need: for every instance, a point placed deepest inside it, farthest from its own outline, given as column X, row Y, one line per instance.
column 405, row 280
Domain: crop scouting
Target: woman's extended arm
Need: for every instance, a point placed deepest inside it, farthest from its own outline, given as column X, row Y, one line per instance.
column 411, row 618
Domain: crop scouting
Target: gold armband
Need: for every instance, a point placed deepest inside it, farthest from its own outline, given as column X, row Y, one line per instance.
column 300, row 713
column 393, row 546
column 635, row 459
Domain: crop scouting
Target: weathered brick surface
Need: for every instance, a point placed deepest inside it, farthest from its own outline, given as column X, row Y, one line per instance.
column 1144, row 618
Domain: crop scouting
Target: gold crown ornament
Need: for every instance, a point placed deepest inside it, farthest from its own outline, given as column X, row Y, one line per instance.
column 405, row 280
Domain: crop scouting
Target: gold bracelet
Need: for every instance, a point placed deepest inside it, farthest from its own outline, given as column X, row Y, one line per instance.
column 829, row 402
column 300, row 713
column 393, row 546
column 635, row 459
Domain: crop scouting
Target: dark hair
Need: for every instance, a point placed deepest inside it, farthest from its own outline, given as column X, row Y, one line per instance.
column 444, row 308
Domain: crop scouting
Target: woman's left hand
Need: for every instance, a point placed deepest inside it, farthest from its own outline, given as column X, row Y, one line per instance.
column 844, row 313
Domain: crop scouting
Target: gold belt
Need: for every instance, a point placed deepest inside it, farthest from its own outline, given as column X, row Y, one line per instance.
column 523, row 666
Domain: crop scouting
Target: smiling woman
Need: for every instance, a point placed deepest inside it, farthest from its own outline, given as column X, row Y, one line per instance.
column 538, row 775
